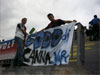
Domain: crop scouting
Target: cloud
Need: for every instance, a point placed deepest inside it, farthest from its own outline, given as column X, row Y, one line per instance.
column 11, row 12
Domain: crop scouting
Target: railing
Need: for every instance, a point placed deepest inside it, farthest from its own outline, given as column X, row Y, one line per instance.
column 79, row 41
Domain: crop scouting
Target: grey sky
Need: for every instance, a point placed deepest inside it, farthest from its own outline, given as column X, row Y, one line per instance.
column 11, row 12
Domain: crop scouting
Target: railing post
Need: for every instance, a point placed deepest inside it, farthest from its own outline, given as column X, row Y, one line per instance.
column 81, row 44
column 72, row 51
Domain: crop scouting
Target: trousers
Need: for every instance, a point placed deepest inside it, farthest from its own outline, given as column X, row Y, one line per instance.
column 19, row 54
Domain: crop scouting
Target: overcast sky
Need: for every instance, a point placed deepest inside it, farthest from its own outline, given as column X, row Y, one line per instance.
column 12, row 11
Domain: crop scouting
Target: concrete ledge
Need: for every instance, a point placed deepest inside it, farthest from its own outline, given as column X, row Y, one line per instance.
column 71, row 69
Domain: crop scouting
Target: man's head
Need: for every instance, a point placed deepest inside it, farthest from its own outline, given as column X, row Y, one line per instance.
column 24, row 20
column 95, row 16
column 50, row 17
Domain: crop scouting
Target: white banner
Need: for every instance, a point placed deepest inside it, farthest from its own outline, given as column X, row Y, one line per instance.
column 50, row 46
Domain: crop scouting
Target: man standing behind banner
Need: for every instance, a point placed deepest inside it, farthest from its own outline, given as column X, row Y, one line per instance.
column 55, row 22
column 19, row 40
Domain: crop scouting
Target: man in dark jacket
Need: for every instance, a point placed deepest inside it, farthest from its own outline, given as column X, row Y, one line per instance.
column 56, row 22
column 95, row 24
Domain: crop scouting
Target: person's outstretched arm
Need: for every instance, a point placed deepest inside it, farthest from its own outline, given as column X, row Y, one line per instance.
column 68, row 21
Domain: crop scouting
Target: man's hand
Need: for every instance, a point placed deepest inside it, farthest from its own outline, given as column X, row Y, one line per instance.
column 24, row 31
column 74, row 20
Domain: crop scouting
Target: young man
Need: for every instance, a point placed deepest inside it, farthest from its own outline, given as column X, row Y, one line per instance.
column 95, row 24
column 19, row 40
column 56, row 22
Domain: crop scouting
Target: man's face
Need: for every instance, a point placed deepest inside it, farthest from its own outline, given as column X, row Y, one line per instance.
column 24, row 21
column 51, row 18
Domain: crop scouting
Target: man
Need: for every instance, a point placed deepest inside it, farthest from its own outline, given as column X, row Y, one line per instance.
column 56, row 22
column 19, row 40
column 99, row 29
column 95, row 24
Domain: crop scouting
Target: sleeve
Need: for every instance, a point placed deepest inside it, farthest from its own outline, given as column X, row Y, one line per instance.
column 91, row 22
column 61, row 21
column 18, row 25
column 47, row 27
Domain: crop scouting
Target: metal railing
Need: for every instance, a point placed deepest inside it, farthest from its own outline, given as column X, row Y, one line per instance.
column 79, row 42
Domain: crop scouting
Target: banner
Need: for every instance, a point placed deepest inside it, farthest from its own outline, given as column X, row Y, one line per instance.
column 50, row 46
column 7, row 49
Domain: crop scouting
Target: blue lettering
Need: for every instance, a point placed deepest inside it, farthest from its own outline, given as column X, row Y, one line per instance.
column 63, row 55
column 46, row 40
column 38, row 39
column 66, row 35
column 29, row 40
column 56, row 57
column 60, row 56
column 56, row 37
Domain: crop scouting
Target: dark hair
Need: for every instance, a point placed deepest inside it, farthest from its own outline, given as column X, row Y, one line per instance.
column 24, row 19
column 95, row 16
column 49, row 14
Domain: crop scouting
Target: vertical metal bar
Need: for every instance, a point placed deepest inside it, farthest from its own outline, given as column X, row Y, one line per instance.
column 82, row 51
column 81, row 44
column 72, row 50
column 78, row 42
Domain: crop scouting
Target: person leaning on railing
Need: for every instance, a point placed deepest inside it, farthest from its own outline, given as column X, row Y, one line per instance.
column 56, row 22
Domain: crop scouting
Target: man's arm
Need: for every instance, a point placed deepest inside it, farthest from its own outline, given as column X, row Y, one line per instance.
column 24, row 31
column 68, row 21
